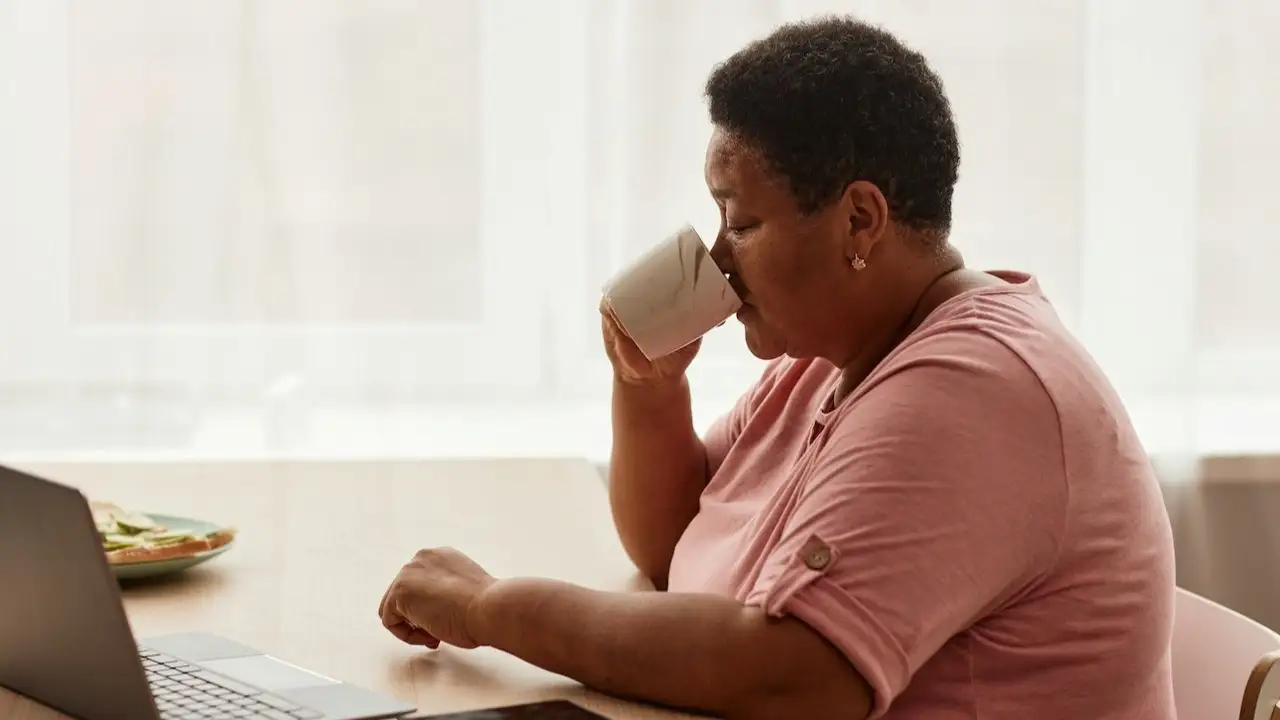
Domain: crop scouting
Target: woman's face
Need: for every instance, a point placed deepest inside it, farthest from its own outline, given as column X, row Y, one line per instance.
column 792, row 270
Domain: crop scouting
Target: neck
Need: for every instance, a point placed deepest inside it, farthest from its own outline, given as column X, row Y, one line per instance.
column 925, row 286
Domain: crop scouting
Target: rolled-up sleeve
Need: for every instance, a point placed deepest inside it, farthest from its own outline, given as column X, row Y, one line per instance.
column 933, row 500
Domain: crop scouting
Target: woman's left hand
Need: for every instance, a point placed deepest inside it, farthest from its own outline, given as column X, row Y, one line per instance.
column 431, row 599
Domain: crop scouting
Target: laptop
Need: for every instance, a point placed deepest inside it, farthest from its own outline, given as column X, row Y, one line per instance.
column 65, row 640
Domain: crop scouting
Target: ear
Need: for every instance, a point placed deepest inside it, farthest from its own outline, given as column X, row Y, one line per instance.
column 867, row 214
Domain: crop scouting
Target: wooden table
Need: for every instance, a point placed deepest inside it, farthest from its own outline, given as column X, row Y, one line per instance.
column 319, row 543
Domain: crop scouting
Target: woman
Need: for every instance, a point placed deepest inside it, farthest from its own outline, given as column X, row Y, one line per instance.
column 931, row 505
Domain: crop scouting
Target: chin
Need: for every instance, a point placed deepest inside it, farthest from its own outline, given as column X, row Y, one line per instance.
column 764, row 346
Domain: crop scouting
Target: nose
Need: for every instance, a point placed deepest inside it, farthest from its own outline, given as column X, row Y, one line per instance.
column 721, row 255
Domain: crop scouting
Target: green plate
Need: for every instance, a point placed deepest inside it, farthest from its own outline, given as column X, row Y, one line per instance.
column 137, row 571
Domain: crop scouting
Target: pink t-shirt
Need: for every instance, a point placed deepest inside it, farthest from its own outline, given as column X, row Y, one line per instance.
column 976, row 526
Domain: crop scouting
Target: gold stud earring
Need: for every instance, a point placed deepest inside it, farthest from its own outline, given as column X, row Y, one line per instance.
column 858, row 263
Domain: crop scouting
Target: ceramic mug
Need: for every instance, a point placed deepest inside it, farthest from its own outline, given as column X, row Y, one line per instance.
column 671, row 295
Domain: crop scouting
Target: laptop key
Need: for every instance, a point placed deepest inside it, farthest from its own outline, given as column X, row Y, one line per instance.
column 272, row 714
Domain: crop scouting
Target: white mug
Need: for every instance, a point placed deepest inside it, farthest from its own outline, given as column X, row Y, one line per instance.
column 671, row 295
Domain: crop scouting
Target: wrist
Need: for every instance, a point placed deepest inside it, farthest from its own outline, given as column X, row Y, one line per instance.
column 655, row 387
column 481, row 614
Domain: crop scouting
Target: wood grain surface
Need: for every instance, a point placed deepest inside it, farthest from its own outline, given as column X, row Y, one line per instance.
column 320, row 541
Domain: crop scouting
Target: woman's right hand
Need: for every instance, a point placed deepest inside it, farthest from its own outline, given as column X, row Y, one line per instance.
column 629, row 363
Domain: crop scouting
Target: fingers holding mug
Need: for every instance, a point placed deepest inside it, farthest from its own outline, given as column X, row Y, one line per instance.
column 628, row 361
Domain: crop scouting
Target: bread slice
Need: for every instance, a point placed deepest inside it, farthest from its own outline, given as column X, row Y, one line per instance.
column 171, row 550
column 157, row 553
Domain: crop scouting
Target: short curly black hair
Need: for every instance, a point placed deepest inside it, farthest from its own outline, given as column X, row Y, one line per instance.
column 832, row 100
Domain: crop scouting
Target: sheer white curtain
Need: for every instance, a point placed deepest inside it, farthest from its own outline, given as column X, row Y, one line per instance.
column 380, row 226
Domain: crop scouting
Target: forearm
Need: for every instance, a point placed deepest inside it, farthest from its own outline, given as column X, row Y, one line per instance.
column 657, row 471
column 694, row 651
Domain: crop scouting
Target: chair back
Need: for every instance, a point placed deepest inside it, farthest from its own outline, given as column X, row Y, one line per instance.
column 1224, row 664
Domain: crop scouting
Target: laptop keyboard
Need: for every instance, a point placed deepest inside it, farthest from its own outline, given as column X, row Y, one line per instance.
column 188, row 692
